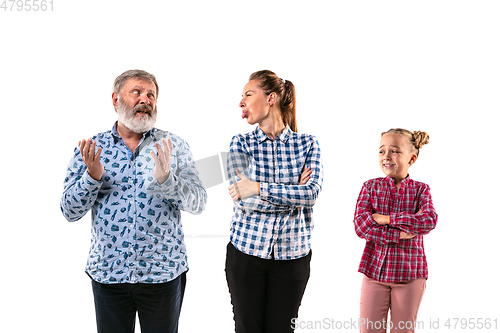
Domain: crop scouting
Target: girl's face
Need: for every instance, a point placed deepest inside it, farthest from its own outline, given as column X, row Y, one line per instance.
column 254, row 103
column 395, row 156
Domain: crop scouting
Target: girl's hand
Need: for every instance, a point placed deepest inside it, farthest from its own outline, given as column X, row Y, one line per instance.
column 404, row 235
column 243, row 188
column 306, row 174
column 381, row 219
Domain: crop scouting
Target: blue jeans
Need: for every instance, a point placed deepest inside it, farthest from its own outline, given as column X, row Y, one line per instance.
column 158, row 306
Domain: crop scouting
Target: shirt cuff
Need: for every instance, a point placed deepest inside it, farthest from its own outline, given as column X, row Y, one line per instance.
column 392, row 235
column 168, row 182
column 264, row 190
column 392, row 219
column 90, row 183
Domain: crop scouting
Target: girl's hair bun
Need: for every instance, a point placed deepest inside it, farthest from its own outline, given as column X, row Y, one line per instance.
column 420, row 139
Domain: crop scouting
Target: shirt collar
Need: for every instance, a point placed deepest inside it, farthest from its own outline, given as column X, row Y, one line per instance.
column 117, row 137
column 403, row 182
column 283, row 136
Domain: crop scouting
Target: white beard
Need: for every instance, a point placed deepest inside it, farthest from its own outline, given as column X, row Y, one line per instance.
column 137, row 124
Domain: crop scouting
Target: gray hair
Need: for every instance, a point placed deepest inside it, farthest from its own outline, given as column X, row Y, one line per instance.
column 133, row 74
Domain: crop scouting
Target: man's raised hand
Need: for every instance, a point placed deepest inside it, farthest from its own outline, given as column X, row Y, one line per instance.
column 162, row 160
column 91, row 158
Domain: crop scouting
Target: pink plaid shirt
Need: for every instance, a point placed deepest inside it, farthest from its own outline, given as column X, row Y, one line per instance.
column 387, row 258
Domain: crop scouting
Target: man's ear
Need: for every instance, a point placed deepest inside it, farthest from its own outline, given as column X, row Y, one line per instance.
column 114, row 98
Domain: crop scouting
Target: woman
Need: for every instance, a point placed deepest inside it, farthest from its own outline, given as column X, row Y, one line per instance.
column 275, row 178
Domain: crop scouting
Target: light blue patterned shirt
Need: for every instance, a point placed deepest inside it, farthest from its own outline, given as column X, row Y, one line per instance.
column 280, row 219
column 136, row 222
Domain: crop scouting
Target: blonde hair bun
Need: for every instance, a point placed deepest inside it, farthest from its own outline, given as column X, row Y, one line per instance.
column 420, row 139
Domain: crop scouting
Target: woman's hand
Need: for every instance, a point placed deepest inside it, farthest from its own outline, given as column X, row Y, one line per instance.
column 306, row 174
column 246, row 188
column 243, row 188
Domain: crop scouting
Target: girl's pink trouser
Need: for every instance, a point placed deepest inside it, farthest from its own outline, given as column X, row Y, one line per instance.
column 402, row 298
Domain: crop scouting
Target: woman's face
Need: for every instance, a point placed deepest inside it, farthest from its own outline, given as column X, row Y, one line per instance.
column 395, row 156
column 254, row 103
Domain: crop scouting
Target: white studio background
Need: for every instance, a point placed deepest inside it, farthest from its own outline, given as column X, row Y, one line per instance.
column 359, row 67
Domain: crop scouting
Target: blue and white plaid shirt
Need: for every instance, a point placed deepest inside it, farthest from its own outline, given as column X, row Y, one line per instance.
column 136, row 222
column 280, row 219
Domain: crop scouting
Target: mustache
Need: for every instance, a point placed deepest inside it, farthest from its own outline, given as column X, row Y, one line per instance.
column 143, row 107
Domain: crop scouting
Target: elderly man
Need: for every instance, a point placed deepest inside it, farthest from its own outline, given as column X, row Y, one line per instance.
column 135, row 179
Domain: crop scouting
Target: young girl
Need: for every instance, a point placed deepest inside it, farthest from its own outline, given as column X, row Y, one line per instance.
column 392, row 215
column 275, row 176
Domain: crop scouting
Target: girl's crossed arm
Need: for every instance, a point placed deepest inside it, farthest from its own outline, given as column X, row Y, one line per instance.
column 367, row 227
